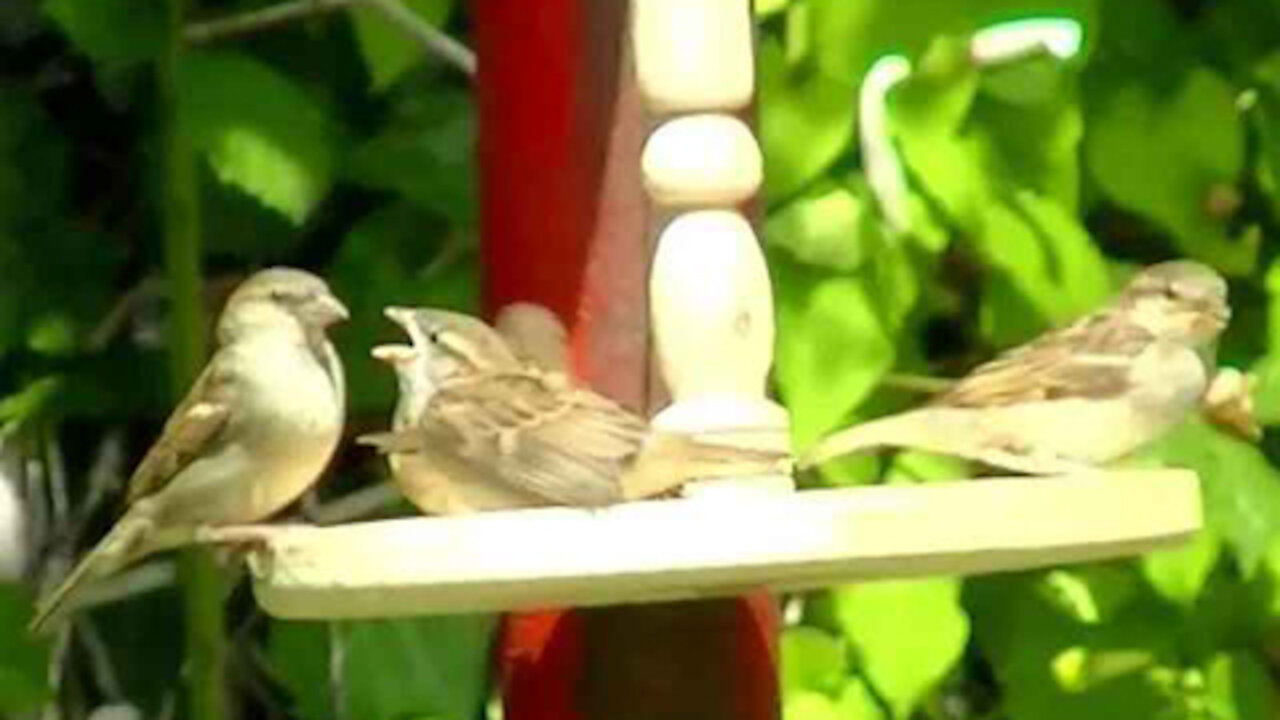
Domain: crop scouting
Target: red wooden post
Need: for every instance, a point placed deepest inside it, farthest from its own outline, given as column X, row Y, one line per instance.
column 564, row 222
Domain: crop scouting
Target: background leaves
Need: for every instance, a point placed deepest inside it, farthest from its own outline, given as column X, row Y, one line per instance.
column 1033, row 188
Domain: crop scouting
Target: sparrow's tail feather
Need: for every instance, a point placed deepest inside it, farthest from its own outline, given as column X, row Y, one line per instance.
column 913, row 429
column 670, row 460
column 124, row 544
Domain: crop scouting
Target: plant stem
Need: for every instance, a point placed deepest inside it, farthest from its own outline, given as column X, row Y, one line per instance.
column 201, row 581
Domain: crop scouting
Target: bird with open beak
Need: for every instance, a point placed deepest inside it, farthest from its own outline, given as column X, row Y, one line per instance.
column 1075, row 398
column 477, row 428
column 256, row 429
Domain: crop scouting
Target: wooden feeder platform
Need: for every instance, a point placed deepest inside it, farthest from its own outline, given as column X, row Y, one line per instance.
column 716, row 545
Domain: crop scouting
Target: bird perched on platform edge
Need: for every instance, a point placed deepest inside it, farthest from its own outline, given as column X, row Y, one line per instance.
column 1077, row 397
column 256, row 429
column 497, row 432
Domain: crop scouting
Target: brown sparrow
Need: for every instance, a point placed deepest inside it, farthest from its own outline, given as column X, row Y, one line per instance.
column 478, row 429
column 535, row 335
column 254, row 432
column 1077, row 397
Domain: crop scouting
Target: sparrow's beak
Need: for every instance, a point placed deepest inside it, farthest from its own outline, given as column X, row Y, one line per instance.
column 393, row 355
column 401, row 316
column 1214, row 319
column 327, row 309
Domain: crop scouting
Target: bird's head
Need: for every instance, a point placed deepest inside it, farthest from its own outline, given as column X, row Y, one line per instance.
column 280, row 298
column 452, row 344
column 1183, row 301
column 534, row 334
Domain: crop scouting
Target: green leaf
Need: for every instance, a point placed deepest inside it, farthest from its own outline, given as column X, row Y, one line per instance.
column 913, row 466
column 807, row 122
column 927, row 116
column 906, row 635
column 849, row 36
column 396, row 255
column 1048, row 259
column 858, row 703
column 115, row 32
column 388, row 50
column 809, row 705
column 1090, row 594
column 1050, row 666
column 23, row 660
column 1035, row 145
column 299, row 655
column 855, row 702
column 33, row 164
column 834, row 227
column 424, row 667
column 1179, row 575
column 1163, row 159
column 833, row 346
column 427, row 155
column 812, row 660
column 1241, row 488
column 1239, row 688
column 260, row 132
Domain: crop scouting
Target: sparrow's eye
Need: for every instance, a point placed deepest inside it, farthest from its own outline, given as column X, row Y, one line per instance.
column 434, row 337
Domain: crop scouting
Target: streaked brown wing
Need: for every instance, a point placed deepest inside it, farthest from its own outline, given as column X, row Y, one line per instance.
column 1089, row 359
column 192, row 427
column 538, row 434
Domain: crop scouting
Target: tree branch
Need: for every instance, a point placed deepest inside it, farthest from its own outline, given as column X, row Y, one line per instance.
column 431, row 39
column 258, row 20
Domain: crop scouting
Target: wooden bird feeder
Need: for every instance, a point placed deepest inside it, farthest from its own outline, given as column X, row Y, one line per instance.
column 619, row 169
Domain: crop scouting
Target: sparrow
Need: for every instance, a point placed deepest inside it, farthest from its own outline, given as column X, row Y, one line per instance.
column 256, row 429
column 1077, row 397
column 476, row 428
column 535, row 335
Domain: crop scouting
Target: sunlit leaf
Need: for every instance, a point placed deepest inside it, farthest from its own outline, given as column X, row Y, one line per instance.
column 261, row 132
column 1165, row 158
column 1180, row 574
column 388, row 50
column 807, row 121
column 832, row 349
column 812, row 660
column 905, row 635
column 834, row 227
column 1241, row 489
column 848, row 36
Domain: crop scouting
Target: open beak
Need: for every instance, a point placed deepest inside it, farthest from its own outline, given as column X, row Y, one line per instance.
column 401, row 316
column 393, row 355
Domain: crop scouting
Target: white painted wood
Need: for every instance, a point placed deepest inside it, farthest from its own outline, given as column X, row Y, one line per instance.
column 712, row 306
column 693, row 55
column 704, row 159
column 703, row 547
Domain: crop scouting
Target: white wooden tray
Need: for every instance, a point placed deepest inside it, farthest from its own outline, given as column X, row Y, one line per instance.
column 716, row 545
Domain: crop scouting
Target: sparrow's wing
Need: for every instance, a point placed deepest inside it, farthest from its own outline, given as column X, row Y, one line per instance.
column 1089, row 359
column 538, row 433
column 192, row 428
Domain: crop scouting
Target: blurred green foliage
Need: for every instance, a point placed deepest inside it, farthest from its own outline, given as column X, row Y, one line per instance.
column 334, row 144
column 1032, row 188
